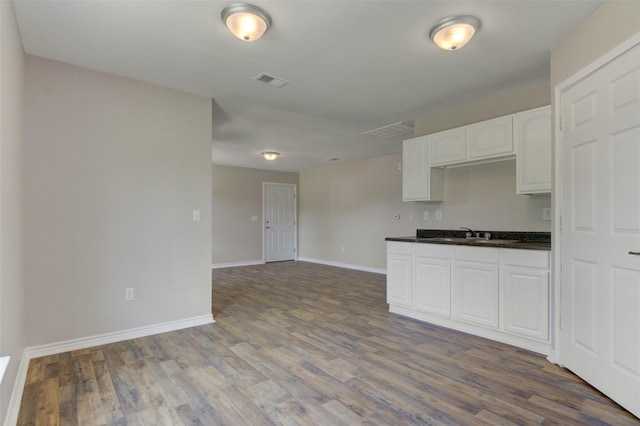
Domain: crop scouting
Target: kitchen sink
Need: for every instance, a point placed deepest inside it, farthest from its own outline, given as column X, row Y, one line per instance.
column 499, row 241
column 471, row 240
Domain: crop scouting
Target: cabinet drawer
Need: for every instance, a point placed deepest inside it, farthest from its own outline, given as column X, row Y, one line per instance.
column 477, row 254
column 440, row 251
column 529, row 258
column 399, row 248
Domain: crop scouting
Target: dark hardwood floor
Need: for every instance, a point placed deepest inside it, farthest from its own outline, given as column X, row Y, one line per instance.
column 303, row 344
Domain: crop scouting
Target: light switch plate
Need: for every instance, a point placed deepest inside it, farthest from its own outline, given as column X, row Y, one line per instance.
column 546, row 213
column 438, row 214
column 196, row 215
column 425, row 215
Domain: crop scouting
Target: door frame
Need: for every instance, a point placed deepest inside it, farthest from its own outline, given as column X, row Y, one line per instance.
column 295, row 218
column 555, row 355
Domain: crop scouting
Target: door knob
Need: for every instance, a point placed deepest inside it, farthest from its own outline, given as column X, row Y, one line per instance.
column 635, row 253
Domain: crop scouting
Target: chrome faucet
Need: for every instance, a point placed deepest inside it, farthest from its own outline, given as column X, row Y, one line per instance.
column 470, row 232
column 475, row 234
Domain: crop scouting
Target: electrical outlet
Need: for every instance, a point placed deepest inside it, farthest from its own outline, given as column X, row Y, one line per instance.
column 546, row 213
column 196, row 215
column 254, row 218
column 342, row 249
column 438, row 214
column 128, row 294
column 425, row 215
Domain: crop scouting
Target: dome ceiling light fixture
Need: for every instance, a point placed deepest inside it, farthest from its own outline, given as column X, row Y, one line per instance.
column 246, row 21
column 270, row 155
column 454, row 32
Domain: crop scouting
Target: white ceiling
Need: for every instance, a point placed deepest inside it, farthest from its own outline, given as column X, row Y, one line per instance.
column 353, row 65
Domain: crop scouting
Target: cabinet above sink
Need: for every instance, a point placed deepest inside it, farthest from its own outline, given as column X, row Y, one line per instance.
column 525, row 136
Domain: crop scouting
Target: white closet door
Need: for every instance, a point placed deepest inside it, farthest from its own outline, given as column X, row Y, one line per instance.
column 600, row 184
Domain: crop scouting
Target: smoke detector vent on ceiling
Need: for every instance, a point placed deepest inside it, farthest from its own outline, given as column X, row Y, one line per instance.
column 391, row 131
column 271, row 80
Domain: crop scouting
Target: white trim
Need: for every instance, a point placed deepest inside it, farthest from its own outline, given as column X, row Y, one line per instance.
column 556, row 355
column 13, row 410
column 235, row 264
column 4, row 362
column 117, row 336
column 343, row 265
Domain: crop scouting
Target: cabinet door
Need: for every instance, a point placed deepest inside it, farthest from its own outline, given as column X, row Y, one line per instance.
column 526, row 305
column 448, row 147
column 399, row 279
column 533, row 145
column 491, row 138
column 476, row 293
column 419, row 182
column 432, row 285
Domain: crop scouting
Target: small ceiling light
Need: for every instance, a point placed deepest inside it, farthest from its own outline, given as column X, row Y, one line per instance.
column 270, row 155
column 246, row 21
column 454, row 33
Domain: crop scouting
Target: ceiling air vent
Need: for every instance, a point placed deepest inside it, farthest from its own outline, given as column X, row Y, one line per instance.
column 391, row 131
column 271, row 80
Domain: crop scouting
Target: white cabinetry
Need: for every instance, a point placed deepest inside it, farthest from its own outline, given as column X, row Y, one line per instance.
column 448, row 147
column 399, row 265
column 533, row 144
column 476, row 285
column 490, row 139
column 419, row 181
column 526, row 293
column 432, row 279
column 497, row 293
column 477, row 143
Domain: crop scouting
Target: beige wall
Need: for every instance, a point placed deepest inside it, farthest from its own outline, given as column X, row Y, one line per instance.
column 113, row 170
column 237, row 195
column 12, row 330
column 607, row 27
column 352, row 206
column 485, row 108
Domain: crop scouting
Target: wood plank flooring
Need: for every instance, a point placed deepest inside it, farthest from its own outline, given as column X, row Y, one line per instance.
column 297, row 343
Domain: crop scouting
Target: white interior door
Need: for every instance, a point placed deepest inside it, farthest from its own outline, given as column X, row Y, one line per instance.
column 279, row 222
column 600, row 229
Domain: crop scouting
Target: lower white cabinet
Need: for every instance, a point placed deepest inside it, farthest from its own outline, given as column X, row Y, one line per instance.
column 399, row 265
column 432, row 279
column 497, row 293
column 526, row 293
column 476, row 286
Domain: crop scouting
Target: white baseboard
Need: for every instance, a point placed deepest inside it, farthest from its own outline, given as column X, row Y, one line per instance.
column 13, row 410
column 118, row 336
column 343, row 265
column 234, row 264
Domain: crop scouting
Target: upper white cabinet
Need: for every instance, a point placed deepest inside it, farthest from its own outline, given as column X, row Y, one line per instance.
column 480, row 142
column 490, row 139
column 532, row 131
column 419, row 181
column 525, row 136
column 448, row 147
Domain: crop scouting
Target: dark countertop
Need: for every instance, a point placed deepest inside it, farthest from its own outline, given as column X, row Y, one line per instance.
column 515, row 240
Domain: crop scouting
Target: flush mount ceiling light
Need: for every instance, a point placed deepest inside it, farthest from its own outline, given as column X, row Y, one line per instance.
column 270, row 155
column 246, row 21
column 453, row 33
